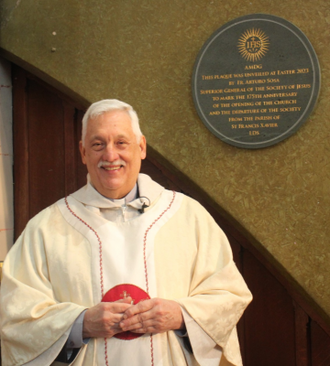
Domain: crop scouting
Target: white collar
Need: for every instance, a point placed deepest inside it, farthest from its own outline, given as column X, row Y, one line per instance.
column 131, row 196
column 149, row 191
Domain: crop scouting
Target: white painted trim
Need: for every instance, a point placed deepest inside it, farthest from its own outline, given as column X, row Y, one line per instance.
column 6, row 160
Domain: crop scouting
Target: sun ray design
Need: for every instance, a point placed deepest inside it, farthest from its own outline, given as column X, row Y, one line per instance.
column 253, row 44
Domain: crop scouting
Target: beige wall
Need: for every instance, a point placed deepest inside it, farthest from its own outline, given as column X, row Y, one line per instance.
column 143, row 52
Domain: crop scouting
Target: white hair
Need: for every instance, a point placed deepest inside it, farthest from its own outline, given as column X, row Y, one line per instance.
column 106, row 105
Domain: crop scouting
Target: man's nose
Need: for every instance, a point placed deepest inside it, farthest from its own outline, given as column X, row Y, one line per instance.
column 111, row 153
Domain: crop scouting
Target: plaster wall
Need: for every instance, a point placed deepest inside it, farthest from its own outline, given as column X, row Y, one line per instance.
column 143, row 52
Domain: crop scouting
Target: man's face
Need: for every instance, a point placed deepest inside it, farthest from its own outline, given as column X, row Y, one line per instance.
column 112, row 154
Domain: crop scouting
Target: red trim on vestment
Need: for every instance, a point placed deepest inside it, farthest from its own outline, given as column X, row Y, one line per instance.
column 101, row 267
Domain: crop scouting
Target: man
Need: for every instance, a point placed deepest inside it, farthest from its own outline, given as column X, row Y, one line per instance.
column 121, row 272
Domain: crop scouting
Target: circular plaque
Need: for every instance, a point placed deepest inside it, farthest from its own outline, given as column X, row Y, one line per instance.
column 255, row 81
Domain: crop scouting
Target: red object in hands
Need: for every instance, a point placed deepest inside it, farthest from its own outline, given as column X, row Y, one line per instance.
column 121, row 292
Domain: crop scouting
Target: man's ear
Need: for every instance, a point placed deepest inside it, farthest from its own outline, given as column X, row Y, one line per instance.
column 82, row 152
column 143, row 147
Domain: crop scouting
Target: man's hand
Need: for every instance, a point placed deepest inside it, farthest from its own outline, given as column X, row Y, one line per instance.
column 102, row 320
column 153, row 316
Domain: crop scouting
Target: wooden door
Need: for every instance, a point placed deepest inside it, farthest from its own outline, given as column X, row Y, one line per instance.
column 47, row 164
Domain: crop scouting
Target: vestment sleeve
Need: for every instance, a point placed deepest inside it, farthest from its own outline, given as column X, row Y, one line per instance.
column 218, row 294
column 195, row 267
column 34, row 323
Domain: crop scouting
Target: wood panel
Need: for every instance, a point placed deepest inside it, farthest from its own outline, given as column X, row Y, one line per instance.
column 269, row 320
column 47, row 130
column 320, row 346
column 302, row 336
column 21, row 152
column 46, row 147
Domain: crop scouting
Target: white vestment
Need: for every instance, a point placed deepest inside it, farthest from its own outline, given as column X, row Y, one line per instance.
column 74, row 251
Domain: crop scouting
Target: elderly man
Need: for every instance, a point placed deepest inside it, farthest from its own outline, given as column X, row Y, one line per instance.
column 121, row 272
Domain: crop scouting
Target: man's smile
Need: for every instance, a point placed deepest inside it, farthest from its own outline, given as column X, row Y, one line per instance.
column 111, row 167
column 116, row 165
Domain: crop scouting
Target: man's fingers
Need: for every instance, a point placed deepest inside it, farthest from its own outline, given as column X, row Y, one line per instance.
column 149, row 316
column 116, row 307
column 139, row 308
column 136, row 321
column 142, row 316
column 102, row 320
column 153, row 316
column 126, row 300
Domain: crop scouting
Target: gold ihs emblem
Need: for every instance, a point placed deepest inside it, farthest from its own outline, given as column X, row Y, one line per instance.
column 253, row 44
